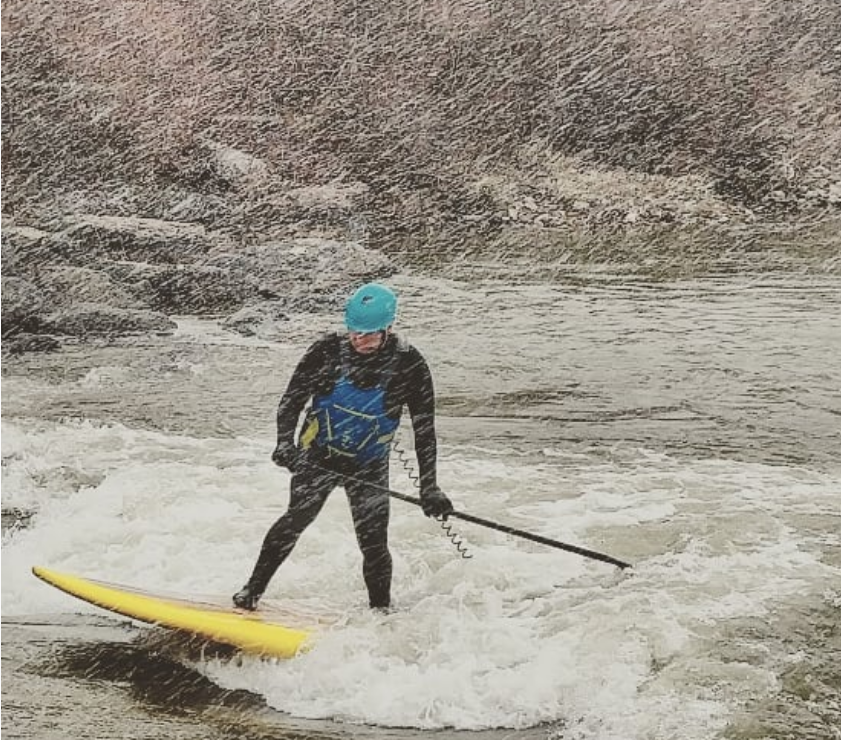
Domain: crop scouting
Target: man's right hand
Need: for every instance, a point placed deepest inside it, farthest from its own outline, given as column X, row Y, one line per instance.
column 286, row 455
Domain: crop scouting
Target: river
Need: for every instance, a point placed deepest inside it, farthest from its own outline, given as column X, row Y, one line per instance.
column 690, row 426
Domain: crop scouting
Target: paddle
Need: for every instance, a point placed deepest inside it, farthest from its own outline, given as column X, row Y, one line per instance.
column 592, row 554
column 583, row 551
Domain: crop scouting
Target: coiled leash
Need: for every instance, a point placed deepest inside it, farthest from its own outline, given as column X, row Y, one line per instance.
column 449, row 530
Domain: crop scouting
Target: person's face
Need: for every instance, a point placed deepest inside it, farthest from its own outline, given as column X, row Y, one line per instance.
column 367, row 344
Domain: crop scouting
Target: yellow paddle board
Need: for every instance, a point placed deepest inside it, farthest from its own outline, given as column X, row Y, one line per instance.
column 253, row 632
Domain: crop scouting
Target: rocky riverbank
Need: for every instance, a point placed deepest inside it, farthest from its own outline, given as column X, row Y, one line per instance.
column 103, row 276
column 250, row 159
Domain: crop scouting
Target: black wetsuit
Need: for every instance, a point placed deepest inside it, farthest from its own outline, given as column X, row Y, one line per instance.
column 317, row 473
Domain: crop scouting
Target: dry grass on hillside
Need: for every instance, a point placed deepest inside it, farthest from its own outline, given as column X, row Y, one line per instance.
column 417, row 100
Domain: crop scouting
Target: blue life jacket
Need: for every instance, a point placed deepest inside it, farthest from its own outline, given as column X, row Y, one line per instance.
column 351, row 422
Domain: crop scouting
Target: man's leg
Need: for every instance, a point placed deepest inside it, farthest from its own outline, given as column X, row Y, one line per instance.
column 369, row 506
column 308, row 492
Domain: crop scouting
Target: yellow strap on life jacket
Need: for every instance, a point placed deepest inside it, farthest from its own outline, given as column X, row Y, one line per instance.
column 310, row 433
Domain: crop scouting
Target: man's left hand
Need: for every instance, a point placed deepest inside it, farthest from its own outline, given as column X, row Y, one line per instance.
column 435, row 503
column 286, row 455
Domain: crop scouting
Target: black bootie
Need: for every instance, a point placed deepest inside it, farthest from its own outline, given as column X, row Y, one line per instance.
column 247, row 598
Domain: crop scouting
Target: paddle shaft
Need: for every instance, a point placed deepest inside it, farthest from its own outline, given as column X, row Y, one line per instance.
column 583, row 551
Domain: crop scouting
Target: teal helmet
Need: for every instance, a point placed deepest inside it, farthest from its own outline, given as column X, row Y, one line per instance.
column 371, row 308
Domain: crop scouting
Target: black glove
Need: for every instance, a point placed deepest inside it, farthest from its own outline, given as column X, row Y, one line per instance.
column 435, row 503
column 286, row 455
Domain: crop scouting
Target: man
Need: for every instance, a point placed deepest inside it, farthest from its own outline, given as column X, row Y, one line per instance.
column 357, row 383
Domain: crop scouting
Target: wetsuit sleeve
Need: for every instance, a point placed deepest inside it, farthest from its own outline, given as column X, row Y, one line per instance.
column 301, row 387
column 420, row 400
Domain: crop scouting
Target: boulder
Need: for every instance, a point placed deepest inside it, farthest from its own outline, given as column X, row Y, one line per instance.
column 184, row 289
column 23, row 302
column 88, row 238
column 196, row 289
column 345, row 265
column 306, row 266
column 84, row 320
column 237, row 166
column 24, row 342
column 24, row 250
column 261, row 320
column 65, row 285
